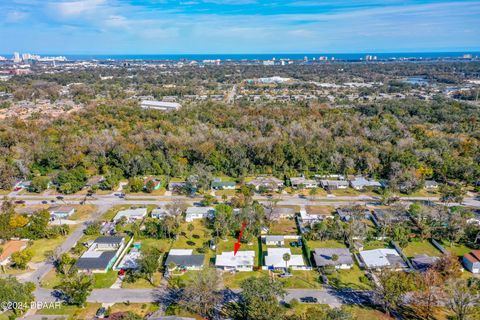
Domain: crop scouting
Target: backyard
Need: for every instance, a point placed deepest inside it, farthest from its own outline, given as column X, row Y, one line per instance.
column 284, row 227
column 420, row 247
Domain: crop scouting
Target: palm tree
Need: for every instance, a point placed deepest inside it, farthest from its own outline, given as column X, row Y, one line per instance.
column 286, row 258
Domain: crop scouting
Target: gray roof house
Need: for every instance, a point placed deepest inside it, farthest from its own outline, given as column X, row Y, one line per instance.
column 324, row 257
column 346, row 213
column 423, row 262
column 334, row 184
column 431, row 184
column 360, row 183
column 101, row 255
column 274, row 240
column 185, row 259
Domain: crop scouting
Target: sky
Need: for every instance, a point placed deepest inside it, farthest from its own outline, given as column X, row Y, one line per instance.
column 238, row 26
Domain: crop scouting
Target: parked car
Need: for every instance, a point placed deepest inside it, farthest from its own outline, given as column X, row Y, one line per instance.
column 44, row 202
column 324, row 279
column 20, row 201
column 309, row 300
column 60, row 197
column 101, row 312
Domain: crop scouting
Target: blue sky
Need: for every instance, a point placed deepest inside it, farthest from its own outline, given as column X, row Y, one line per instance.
column 238, row 26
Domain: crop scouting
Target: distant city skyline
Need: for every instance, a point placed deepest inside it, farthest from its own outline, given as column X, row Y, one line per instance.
column 238, row 26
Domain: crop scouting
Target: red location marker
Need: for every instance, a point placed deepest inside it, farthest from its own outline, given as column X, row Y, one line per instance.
column 236, row 245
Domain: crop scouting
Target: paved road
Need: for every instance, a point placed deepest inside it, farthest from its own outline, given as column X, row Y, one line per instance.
column 324, row 296
column 69, row 243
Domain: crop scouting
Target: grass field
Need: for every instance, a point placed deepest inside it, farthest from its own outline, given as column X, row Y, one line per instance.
column 42, row 247
column 194, row 239
column 51, row 280
column 376, row 244
column 82, row 212
column 144, row 284
column 73, row 312
column 350, row 279
column 455, row 248
column 141, row 309
column 302, row 280
column 312, row 244
column 233, row 280
column 284, row 227
column 161, row 244
column 105, row 280
column 421, row 247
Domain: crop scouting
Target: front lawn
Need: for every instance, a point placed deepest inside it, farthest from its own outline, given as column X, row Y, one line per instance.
column 141, row 283
column 72, row 312
column 51, row 280
column 420, row 247
column 105, row 280
column 233, row 280
column 42, row 247
column 141, row 309
column 82, row 212
column 302, row 280
column 354, row 278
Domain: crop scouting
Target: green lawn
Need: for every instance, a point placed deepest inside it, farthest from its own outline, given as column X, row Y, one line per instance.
column 194, row 239
column 228, row 193
column 294, row 250
column 233, row 280
column 302, row 280
column 284, row 227
column 161, row 244
column 366, row 313
column 144, row 284
column 141, row 309
column 375, row 244
column 51, row 280
column 105, row 280
column 73, row 312
column 350, row 279
column 420, row 247
column 456, row 248
column 313, row 244
column 42, row 247
column 82, row 212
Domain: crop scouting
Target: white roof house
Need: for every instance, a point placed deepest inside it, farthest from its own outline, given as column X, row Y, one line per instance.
column 274, row 259
column 131, row 214
column 129, row 260
column 382, row 258
column 306, row 183
column 242, row 261
column 159, row 213
column 160, row 105
column 360, row 183
column 193, row 213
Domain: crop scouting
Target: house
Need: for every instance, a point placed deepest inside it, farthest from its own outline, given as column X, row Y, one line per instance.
column 160, row 105
column 382, row 258
column 131, row 214
column 334, row 184
column 184, row 259
column 471, row 261
column 346, row 213
column 275, row 259
column 298, row 182
column 268, row 182
column 423, row 261
column 218, row 184
column 194, row 213
column 94, row 181
column 9, row 248
column 159, row 213
column 242, row 261
column 101, row 255
column 130, row 260
column 309, row 218
column 156, row 183
column 177, row 185
column 360, row 183
column 431, row 185
column 61, row 212
column 325, row 257
column 389, row 216
column 274, row 240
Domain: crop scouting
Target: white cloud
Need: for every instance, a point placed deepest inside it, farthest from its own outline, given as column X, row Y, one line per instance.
column 74, row 8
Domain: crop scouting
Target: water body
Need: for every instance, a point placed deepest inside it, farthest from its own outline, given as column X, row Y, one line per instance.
column 269, row 56
column 416, row 80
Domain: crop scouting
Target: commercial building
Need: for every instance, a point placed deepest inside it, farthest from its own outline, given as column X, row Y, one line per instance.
column 160, row 105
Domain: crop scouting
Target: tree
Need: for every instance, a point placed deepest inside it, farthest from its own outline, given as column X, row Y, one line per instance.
column 259, row 298
column 448, row 267
column 20, row 259
column 150, row 186
column 461, row 298
column 135, row 184
column 64, row 264
column 392, row 288
column 76, row 288
column 429, row 293
column 12, row 292
column 202, row 295
column 149, row 263
column 286, row 257
column 452, row 193
column 40, row 183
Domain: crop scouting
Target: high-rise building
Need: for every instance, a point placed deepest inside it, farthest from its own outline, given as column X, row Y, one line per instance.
column 16, row 57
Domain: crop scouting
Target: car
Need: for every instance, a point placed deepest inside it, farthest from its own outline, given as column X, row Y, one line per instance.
column 44, row 202
column 309, row 300
column 19, row 201
column 324, row 279
column 60, row 197
column 285, row 275
column 52, row 201
column 17, row 189
column 101, row 313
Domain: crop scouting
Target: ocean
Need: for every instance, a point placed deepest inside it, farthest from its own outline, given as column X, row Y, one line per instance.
column 269, row 56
